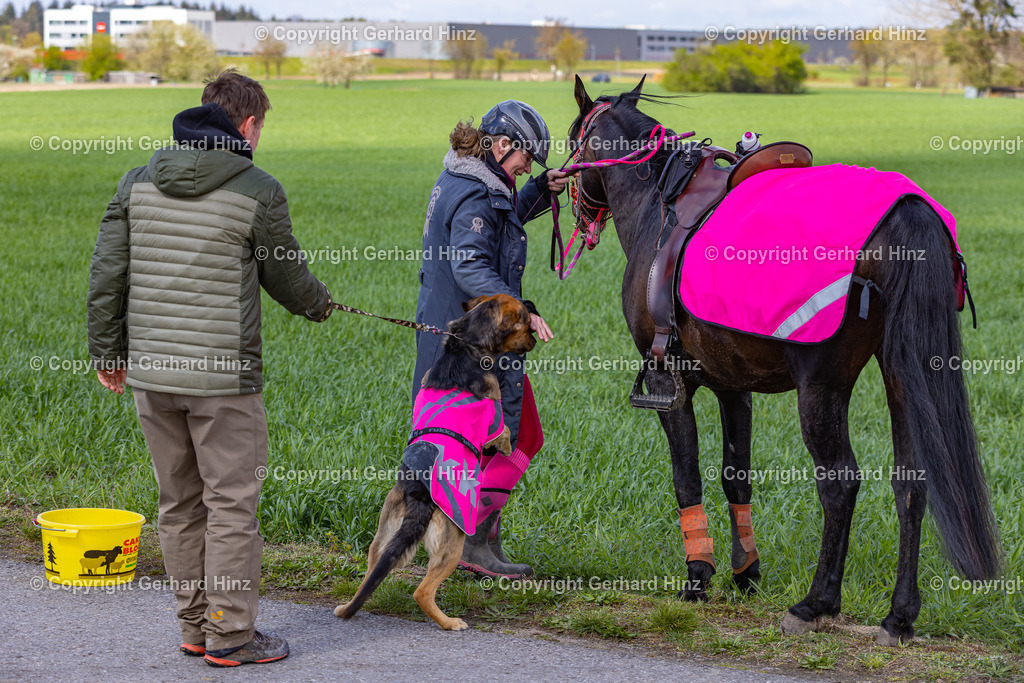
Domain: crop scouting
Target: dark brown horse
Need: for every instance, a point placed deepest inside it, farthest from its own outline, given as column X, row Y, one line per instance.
column 915, row 319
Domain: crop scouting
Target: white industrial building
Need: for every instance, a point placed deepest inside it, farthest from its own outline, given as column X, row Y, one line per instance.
column 68, row 28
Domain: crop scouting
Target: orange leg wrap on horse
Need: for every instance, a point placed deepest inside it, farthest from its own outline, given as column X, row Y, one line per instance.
column 698, row 545
column 745, row 531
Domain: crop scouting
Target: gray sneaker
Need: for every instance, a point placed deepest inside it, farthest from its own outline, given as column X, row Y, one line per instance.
column 260, row 650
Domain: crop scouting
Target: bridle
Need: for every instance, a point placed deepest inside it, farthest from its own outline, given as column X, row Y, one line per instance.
column 590, row 211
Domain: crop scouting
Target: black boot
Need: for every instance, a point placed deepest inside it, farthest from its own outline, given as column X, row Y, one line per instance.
column 494, row 540
column 485, row 557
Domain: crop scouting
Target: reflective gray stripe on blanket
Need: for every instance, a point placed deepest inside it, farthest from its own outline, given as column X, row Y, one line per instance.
column 831, row 294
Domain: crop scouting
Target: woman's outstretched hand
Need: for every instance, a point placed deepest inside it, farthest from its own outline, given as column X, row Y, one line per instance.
column 538, row 325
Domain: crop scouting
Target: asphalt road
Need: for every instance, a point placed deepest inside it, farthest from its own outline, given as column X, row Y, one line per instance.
column 51, row 633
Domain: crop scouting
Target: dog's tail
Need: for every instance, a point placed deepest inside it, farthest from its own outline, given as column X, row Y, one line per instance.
column 419, row 508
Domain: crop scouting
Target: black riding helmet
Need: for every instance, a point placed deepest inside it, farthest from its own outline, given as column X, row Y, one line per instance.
column 521, row 124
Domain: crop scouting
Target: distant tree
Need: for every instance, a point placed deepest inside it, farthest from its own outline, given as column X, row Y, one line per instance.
column 548, row 36
column 100, row 56
column 19, row 28
column 270, row 51
column 922, row 59
column 332, row 66
column 14, row 62
column 504, row 56
column 31, row 41
column 569, row 51
column 466, row 55
column 978, row 31
column 774, row 67
column 887, row 56
column 33, row 17
column 177, row 52
column 151, row 50
column 52, row 59
column 866, row 52
column 8, row 13
column 243, row 13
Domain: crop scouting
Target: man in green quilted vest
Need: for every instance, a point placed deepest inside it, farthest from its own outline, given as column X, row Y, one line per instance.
column 174, row 312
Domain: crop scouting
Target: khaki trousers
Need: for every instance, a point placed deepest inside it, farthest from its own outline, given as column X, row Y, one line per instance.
column 207, row 451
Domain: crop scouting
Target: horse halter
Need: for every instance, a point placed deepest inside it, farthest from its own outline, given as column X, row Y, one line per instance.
column 586, row 209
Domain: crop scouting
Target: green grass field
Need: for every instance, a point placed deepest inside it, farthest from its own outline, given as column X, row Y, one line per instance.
column 358, row 166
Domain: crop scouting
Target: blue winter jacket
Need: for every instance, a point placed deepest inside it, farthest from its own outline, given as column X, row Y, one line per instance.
column 474, row 245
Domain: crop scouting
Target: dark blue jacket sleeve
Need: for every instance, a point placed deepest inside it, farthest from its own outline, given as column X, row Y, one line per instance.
column 474, row 239
column 534, row 199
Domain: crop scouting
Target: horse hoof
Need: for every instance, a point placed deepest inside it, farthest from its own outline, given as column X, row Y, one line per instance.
column 889, row 640
column 793, row 625
column 746, row 581
column 693, row 596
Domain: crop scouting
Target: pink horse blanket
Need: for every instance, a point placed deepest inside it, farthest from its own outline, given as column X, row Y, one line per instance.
column 450, row 428
column 776, row 258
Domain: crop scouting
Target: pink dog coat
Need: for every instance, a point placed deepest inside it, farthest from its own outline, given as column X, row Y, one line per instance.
column 777, row 256
column 450, row 428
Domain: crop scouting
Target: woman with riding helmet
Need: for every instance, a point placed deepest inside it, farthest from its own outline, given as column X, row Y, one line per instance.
column 474, row 245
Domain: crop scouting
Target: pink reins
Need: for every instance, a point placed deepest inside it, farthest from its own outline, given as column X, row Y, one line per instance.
column 594, row 227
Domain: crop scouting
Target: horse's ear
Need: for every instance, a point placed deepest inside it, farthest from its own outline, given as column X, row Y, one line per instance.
column 582, row 98
column 639, row 86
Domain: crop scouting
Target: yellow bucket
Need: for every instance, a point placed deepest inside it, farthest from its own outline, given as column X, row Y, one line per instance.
column 90, row 546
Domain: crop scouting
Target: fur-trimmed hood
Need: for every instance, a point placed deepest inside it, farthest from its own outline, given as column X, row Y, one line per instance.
column 475, row 168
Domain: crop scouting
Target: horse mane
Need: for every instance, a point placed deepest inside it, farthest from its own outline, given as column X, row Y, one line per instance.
column 625, row 105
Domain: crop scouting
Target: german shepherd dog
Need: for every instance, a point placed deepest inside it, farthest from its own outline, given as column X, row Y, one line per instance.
column 492, row 325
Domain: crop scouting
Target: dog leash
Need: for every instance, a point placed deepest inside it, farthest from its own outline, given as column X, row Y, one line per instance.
column 419, row 327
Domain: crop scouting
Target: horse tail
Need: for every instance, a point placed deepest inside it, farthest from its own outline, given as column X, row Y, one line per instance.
column 419, row 509
column 921, row 346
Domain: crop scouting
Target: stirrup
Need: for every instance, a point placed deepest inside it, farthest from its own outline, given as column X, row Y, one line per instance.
column 661, row 403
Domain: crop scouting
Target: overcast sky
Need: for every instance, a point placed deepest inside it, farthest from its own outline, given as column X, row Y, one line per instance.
column 674, row 14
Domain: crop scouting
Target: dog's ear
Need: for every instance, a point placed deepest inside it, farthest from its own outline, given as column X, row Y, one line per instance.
column 481, row 326
column 473, row 303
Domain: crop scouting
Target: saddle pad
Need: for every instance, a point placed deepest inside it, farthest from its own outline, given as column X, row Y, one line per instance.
column 453, row 476
column 776, row 258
